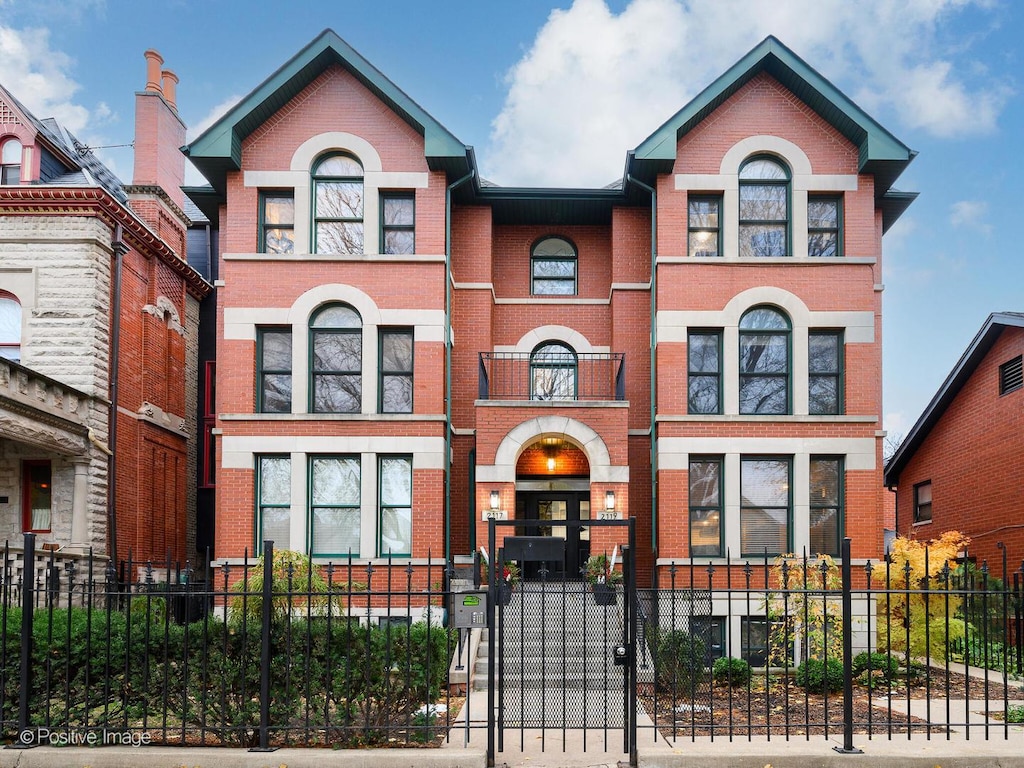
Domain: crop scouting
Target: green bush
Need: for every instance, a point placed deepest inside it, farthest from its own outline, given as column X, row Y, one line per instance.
column 679, row 660
column 731, row 671
column 818, row 676
column 1015, row 713
column 880, row 663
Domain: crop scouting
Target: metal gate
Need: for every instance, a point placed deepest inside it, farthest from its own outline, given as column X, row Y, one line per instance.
column 565, row 648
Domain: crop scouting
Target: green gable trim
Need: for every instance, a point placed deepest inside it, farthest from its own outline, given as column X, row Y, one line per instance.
column 879, row 151
column 219, row 149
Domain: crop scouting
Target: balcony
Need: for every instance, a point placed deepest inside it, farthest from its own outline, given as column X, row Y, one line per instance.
column 557, row 374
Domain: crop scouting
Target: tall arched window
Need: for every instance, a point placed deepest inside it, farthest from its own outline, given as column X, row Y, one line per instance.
column 10, row 162
column 338, row 204
column 553, row 372
column 10, row 326
column 336, row 360
column 553, row 268
column 764, row 208
column 764, row 361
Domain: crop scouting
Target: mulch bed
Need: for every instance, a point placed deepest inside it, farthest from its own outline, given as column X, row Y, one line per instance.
column 787, row 709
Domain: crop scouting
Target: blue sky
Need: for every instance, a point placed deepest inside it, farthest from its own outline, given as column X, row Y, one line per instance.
column 555, row 93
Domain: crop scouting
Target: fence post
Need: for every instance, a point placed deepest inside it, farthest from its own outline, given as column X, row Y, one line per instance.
column 25, row 681
column 847, row 748
column 266, row 609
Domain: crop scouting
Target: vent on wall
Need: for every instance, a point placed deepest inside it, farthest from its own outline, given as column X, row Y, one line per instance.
column 1011, row 375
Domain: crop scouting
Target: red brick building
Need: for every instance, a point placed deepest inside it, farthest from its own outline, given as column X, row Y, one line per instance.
column 404, row 347
column 975, row 420
column 99, row 314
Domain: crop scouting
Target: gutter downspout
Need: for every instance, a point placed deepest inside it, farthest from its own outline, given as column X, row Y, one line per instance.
column 654, row 359
column 448, row 362
column 120, row 249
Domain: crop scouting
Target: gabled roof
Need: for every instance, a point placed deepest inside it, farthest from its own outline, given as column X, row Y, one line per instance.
column 881, row 153
column 962, row 371
column 219, row 149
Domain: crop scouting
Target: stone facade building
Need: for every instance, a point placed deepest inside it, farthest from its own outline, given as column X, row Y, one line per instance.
column 99, row 320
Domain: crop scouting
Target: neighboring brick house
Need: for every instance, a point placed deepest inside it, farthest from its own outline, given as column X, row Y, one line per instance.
column 959, row 467
column 97, row 305
column 738, row 353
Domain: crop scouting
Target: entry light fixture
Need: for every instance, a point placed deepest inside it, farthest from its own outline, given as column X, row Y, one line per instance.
column 609, row 501
column 495, row 499
column 551, row 463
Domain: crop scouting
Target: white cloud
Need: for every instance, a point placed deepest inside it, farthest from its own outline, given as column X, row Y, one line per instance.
column 594, row 84
column 970, row 214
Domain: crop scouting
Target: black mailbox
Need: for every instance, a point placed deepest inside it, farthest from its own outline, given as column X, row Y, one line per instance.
column 535, row 548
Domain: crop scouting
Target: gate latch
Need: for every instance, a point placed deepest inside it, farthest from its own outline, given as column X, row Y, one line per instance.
column 619, row 655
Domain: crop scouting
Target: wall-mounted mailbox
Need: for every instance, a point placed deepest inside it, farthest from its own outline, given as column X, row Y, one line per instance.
column 469, row 610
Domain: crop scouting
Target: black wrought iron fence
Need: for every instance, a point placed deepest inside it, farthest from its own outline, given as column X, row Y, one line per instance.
column 801, row 647
column 269, row 653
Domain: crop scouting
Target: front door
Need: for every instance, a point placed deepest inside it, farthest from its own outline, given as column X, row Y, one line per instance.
column 551, row 509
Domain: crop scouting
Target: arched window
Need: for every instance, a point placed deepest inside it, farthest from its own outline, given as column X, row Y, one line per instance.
column 764, row 208
column 553, row 372
column 10, row 162
column 10, row 326
column 338, row 204
column 336, row 360
column 553, row 268
column 764, row 361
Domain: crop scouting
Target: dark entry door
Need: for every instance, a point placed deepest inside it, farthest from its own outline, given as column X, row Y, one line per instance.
column 551, row 509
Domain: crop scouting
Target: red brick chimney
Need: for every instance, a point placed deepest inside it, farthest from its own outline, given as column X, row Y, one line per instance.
column 159, row 132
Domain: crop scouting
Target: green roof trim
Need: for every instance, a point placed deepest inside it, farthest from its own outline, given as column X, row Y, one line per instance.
column 880, row 152
column 219, row 149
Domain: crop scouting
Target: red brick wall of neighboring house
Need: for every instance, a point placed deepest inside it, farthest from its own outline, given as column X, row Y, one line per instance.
column 972, row 458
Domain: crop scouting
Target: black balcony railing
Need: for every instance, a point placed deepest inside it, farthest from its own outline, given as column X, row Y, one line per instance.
column 522, row 376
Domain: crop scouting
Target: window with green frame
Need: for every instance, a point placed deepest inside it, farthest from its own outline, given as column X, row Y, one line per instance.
column 553, row 372
column 704, row 225
column 706, row 503
column 824, row 225
column 336, row 360
column 766, row 505
column 553, row 266
column 334, row 509
column 395, row 386
column 398, row 222
column 825, row 372
column 826, row 505
column 704, row 372
column 395, row 512
column 273, row 501
column 764, row 362
column 277, row 222
column 338, row 204
column 273, row 370
column 764, row 208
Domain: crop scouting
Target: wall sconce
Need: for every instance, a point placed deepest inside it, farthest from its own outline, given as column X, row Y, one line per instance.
column 495, row 499
column 551, row 463
column 609, row 501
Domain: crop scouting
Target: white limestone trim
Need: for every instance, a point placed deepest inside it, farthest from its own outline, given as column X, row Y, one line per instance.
column 333, row 141
column 528, row 432
column 569, row 302
column 275, row 179
column 546, row 333
column 237, row 451
column 473, row 286
column 391, row 258
column 773, row 261
column 674, row 452
column 790, row 153
column 631, row 286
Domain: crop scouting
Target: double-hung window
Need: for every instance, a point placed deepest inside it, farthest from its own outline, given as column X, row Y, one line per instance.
column 274, row 370
column 338, row 205
column 334, row 513
column 336, row 360
column 395, row 370
column 766, row 505
column 273, row 501
column 704, row 371
column 824, row 221
column 277, row 222
column 923, row 502
column 706, row 504
column 704, row 226
column 395, row 513
column 553, row 267
column 398, row 222
column 764, row 208
column 764, row 362
column 825, row 372
column 10, row 162
column 826, row 505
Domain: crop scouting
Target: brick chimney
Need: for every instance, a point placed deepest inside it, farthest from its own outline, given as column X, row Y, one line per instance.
column 159, row 133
